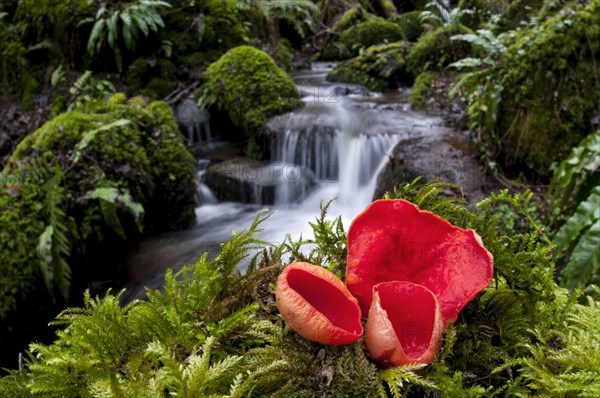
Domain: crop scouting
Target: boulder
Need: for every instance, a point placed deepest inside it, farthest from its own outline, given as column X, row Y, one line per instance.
column 252, row 181
column 447, row 157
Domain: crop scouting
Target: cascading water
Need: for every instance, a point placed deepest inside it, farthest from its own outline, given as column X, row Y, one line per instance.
column 338, row 146
column 331, row 148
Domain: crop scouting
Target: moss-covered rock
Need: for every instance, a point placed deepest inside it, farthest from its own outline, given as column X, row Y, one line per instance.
column 434, row 50
column 546, row 90
column 371, row 32
column 410, row 24
column 350, row 18
column 247, row 84
column 517, row 12
column 379, row 67
column 94, row 175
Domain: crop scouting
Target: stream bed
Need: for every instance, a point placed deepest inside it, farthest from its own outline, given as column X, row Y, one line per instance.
column 332, row 148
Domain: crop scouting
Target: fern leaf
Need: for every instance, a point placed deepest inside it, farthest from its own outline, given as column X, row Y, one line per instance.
column 584, row 262
column 587, row 212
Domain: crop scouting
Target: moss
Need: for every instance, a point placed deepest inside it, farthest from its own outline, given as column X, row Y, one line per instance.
column 30, row 88
column 334, row 48
column 371, row 32
column 156, row 79
column 22, row 224
column 482, row 12
column 387, row 7
column 145, row 158
column 350, row 18
column 284, row 54
column 410, row 24
column 344, row 74
column 223, row 25
column 379, row 67
column 138, row 73
column 157, row 88
column 548, row 81
column 58, row 105
column 425, row 89
column 434, row 51
column 116, row 99
column 247, row 84
column 517, row 12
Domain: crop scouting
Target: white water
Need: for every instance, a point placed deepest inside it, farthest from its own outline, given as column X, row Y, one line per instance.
column 338, row 142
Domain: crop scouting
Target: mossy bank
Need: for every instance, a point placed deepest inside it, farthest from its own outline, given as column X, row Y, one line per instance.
column 76, row 194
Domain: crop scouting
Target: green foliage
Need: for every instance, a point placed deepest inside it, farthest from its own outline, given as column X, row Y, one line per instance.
column 299, row 14
column 54, row 246
column 371, row 32
column 14, row 72
column 566, row 363
column 247, row 84
column 575, row 186
column 410, row 23
column 122, row 26
column 437, row 15
column 425, row 89
column 435, row 50
column 82, row 179
column 351, row 17
column 86, row 89
column 377, row 68
column 222, row 28
column 535, row 103
column 214, row 331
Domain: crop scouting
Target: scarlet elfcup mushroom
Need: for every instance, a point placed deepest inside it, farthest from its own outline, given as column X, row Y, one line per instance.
column 316, row 304
column 404, row 324
column 393, row 240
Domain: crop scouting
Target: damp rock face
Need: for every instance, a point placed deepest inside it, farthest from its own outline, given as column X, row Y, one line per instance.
column 252, row 181
column 449, row 157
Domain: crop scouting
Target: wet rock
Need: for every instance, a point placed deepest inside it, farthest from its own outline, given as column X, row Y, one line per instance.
column 251, row 181
column 448, row 157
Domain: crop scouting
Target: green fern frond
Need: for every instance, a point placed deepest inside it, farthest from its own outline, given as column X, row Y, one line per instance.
column 395, row 379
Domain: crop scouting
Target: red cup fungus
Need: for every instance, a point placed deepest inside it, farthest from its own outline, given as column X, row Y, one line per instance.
column 404, row 324
column 393, row 240
column 316, row 304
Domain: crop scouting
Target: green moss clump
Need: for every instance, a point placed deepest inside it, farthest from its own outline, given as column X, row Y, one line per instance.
column 97, row 175
column 371, row 32
column 350, row 18
column 543, row 92
column 377, row 68
column 434, row 51
column 423, row 90
column 223, row 25
column 59, row 105
column 284, row 54
column 344, row 74
column 247, row 84
column 410, row 24
column 157, row 88
column 517, row 12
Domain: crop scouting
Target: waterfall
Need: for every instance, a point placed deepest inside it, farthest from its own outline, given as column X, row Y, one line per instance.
column 204, row 195
column 340, row 146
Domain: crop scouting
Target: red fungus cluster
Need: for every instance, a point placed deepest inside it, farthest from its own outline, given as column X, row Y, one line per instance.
column 409, row 272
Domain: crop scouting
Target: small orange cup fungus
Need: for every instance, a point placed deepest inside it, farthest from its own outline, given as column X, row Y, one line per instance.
column 316, row 304
column 393, row 240
column 404, row 325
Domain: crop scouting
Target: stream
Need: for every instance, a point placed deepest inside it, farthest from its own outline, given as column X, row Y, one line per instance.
column 332, row 148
